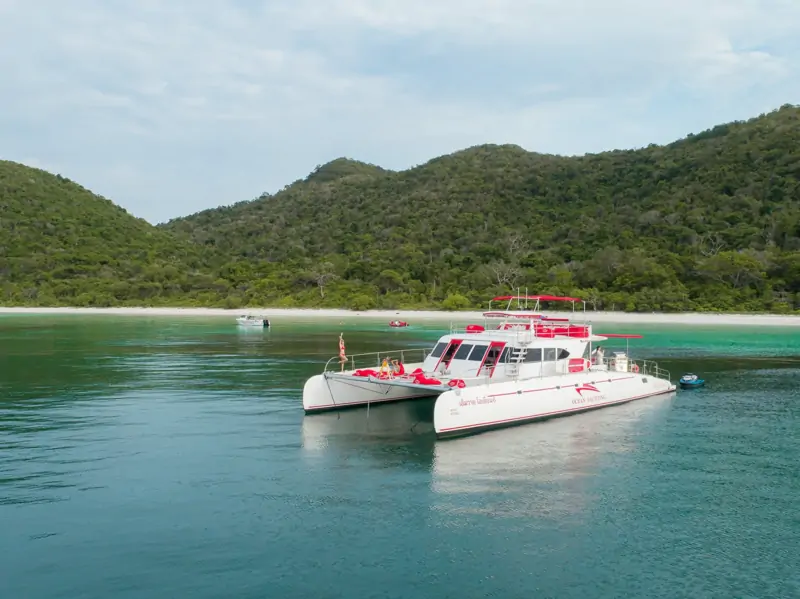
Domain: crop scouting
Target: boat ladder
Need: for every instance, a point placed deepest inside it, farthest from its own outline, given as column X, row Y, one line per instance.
column 515, row 357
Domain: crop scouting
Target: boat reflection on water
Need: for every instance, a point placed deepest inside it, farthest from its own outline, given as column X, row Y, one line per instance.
column 543, row 469
column 359, row 427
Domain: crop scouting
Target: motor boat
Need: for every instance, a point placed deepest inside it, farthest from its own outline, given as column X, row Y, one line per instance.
column 398, row 323
column 519, row 366
column 248, row 320
column 691, row 381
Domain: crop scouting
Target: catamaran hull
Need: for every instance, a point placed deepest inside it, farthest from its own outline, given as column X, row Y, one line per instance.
column 331, row 391
column 482, row 408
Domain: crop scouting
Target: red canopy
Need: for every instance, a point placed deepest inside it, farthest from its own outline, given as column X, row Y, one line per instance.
column 544, row 298
column 512, row 315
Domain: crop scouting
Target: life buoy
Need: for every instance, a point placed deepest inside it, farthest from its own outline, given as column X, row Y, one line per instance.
column 634, row 367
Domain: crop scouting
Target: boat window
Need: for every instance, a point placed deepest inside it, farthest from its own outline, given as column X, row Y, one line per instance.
column 491, row 357
column 437, row 351
column 549, row 354
column 463, row 351
column 450, row 352
column 534, row 355
column 448, row 355
column 503, row 356
column 563, row 354
column 478, row 352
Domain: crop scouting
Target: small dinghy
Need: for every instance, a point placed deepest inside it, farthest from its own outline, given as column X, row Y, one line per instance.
column 398, row 324
column 691, row 381
column 253, row 321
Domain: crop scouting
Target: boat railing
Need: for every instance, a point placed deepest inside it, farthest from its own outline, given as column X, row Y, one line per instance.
column 641, row 367
column 650, row 368
column 459, row 330
column 527, row 335
column 415, row 355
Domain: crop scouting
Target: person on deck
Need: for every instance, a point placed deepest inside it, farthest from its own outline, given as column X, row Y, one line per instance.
column 597, row 355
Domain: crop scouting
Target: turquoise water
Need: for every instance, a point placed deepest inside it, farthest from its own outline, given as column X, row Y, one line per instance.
column 162, row 457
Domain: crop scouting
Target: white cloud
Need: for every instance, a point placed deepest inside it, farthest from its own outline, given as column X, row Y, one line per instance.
column 173, row 107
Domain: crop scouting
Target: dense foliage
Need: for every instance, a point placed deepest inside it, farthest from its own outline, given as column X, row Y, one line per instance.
column 62, row 245
column 710, row 222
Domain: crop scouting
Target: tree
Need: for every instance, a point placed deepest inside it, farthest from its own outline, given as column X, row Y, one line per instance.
column 323, row 275
column 455, row 301
column 505, row 274
column 738, row 269
column 710, row 244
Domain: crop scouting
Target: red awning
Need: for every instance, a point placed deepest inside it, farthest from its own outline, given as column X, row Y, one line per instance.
column 511, row 315
column 544, row 298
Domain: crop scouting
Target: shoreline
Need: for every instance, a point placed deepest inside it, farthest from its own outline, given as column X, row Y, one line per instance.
column 686, row 318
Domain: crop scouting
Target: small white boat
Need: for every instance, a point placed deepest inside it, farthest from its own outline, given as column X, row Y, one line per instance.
column 253, row 321
column 528, row 367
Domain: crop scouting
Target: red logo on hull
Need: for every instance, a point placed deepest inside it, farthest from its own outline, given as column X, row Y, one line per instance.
column 586, row 387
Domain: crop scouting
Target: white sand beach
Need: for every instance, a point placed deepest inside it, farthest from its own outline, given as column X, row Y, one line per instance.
column 683, row 318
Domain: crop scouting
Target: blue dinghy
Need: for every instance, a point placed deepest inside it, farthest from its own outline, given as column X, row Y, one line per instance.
column 691, row 381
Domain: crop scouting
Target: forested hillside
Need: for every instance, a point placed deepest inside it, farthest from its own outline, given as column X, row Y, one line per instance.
column 710, row 222
column 62, row 245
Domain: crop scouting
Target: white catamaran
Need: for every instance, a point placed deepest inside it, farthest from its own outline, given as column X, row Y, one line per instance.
column 518, row 367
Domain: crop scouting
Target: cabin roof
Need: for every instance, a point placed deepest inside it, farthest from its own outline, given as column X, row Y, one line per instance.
column 512, row 337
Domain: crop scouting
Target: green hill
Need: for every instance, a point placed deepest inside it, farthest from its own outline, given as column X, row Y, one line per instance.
column 711, row 221
column 345, row 168
column 62, row 245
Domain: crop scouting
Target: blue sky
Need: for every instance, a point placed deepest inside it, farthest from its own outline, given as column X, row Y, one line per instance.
column 168, row 108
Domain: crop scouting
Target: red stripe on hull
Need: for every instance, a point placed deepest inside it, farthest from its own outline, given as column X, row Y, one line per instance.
column 531, row 417
column 558, row 388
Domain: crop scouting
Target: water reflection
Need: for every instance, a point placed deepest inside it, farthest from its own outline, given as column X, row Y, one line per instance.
column 544, row 468
column 398, row 436
column 378, row 424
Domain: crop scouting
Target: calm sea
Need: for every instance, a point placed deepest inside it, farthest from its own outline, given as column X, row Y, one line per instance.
column 169, row 457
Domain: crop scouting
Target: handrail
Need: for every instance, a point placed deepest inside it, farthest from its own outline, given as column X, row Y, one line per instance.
column 646, row 367
column 574, row 331
column 417, row 356
column 374, row 359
